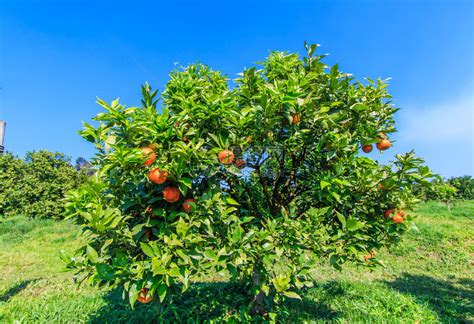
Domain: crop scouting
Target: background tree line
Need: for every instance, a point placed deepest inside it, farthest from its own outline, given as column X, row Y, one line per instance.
column 36, row 185
column 449, row 190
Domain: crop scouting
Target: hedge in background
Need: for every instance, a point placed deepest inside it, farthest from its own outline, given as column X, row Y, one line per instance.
column 454, row 188
column 464, row 186
column 36, row 185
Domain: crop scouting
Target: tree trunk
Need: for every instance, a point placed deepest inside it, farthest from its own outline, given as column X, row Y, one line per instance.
column 447, row 205
column 258, row 302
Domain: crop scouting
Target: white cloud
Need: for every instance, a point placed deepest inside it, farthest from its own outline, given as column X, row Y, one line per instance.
column 446, row 121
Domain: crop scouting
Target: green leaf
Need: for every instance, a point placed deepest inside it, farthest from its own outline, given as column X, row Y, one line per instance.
column 147, row 249
column 324, row 109
column 237, row 236
column 336, row 196
column 133, row 294
column 187, row 182
column 291, row 294
column 106, row 244
column 92, row 254
column 157, row 267
column 341, row 218
column 211, row 255
column 174, row 272
column 232, row 201
column 246, row 111
column 183, row 256
column 104, row 271
column 129, row 203
column 183, row 188
column 324, row 184
column 281, row 282
column 359, row 107
column 161, row 291
column 216, row 139
column 424, row 170
column 353, row 224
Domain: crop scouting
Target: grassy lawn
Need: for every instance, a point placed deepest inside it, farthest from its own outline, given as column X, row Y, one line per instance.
column 428, row 278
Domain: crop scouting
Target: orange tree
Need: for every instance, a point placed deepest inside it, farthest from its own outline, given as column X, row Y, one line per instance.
column 255, row 182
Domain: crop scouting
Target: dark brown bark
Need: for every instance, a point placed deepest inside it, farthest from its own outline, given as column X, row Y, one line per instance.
column 258, row 302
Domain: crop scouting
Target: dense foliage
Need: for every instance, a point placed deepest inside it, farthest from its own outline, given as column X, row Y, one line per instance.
column 442, row 192
column 464, row 187
column 36, row 186
column 256, row 181
column 447, row 190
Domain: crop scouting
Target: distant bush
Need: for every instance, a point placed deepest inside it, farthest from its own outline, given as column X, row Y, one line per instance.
column 442, row 192
column 35, row 186
column 464, row 186
column 454, row 188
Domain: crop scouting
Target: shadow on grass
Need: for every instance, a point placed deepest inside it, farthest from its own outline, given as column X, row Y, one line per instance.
column 452, row 303
column 7, row 295
column 201, row 302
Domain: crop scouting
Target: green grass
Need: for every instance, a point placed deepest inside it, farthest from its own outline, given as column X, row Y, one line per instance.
column 428, row 278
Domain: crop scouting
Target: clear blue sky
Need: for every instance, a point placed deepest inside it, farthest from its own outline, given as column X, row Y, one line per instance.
column 57, row 56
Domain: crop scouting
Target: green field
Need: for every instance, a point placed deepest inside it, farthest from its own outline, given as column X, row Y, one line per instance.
column 428, row 278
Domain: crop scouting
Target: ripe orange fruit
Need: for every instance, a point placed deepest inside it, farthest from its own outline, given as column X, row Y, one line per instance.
column 226, row 157
column 154, row 146
column 149, row 154
column 187, row 206
column 369, row 256
column 381, row 186
column 171, row 194
column 144, row 297
column 157, row 176
column 398, row 218
column 384, row 145
column 239, row 163
column 388, row 213
column 296, row 119
column 367, row 148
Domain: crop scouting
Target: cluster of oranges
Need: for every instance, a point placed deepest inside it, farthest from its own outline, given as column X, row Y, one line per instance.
column 382, row 145
column 170, row 193
column 227, row 157
column 398, row 217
